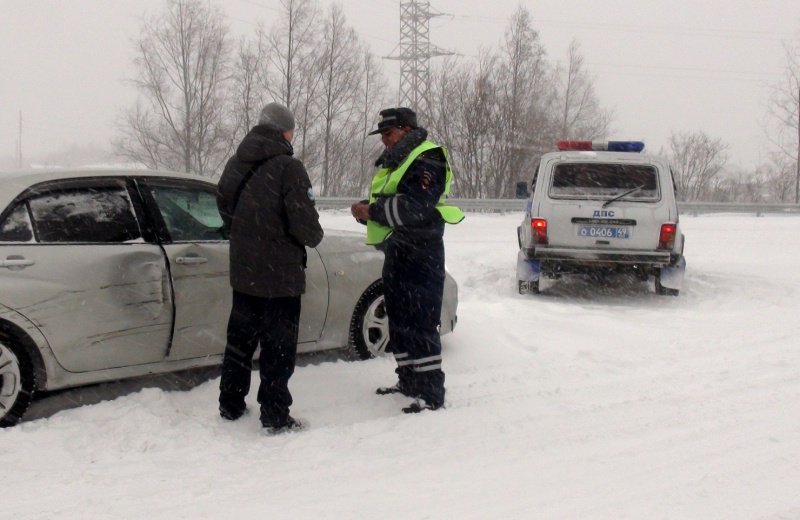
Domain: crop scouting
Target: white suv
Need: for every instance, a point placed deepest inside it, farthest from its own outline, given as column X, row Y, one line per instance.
column 599, row 209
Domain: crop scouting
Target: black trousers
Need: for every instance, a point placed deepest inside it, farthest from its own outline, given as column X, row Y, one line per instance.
column 271, row 323
column 413, row 282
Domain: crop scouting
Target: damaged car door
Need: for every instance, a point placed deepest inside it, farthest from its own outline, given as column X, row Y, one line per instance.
column 86, row 276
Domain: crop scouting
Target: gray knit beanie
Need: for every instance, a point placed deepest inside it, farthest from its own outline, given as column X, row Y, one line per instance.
column 277, row 117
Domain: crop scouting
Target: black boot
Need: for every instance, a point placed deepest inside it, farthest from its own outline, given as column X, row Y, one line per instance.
column 291, row 425
column 397, row 388
column 231, row 414
column 405, row 383
column 420, row 405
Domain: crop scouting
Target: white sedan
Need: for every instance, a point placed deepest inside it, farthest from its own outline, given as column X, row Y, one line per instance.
column 113, row 274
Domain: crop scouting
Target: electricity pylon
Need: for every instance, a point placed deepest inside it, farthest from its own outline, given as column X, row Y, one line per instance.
column 415, row 54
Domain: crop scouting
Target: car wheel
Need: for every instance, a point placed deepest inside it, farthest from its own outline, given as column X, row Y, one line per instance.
column 16, row 382
column 369, row 327
column 665, row 291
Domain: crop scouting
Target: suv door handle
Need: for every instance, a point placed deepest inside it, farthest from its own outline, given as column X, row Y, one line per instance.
column 191, row 259
column 16, row 262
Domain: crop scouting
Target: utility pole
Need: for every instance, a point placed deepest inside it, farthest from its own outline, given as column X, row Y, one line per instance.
column 415, row 54
column 19, row 143
column 797, row 165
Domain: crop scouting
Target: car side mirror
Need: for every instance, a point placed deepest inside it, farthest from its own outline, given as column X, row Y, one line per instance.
column 522, row 190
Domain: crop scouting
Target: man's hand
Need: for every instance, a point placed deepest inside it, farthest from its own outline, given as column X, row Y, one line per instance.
column 360, row 210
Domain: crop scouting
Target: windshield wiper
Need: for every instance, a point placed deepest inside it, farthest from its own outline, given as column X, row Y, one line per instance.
column 625, row 194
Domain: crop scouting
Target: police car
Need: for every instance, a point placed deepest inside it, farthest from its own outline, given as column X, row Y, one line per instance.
column 598, row 209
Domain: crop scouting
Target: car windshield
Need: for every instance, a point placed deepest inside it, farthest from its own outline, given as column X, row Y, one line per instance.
column 605, row 181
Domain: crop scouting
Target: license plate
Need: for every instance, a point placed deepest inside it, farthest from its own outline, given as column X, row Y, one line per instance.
column 604, row 232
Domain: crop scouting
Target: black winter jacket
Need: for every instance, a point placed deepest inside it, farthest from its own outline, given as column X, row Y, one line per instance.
column 274, row 220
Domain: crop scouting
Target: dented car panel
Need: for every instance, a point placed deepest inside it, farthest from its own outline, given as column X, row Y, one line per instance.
column 101, row 306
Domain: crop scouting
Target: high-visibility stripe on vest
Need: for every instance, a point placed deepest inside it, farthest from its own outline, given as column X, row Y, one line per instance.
column 385, row 183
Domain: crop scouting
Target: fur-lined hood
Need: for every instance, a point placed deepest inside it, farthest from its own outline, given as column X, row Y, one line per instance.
column 400, row 151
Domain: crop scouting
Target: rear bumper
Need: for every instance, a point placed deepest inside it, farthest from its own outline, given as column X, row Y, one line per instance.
column 599, row 257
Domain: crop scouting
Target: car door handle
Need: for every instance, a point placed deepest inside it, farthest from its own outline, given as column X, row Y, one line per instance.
column 16, row 262
column 191, row 260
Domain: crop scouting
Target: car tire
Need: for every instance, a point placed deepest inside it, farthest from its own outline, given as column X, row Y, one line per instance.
column 665, row 291
column 369, row 326
column 17, row 381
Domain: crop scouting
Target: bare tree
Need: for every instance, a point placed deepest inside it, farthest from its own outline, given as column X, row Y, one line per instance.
column 494, row 116
column 248, row 91
column 350, row 152
column 525, row 96
column 341, row 72
column 464, row 118
column 449, row 91
column 317, row 67
column 781, row 180
column 581, row 116
column 292, row 51
column 784, row 109
column 696, row 159
column 179, row 121
column 742, row 186
column 372, row 96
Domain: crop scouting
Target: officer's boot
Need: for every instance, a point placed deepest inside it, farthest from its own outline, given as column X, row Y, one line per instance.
column 405, row 383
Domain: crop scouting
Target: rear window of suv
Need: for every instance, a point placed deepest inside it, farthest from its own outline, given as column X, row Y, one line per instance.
column 604, row 180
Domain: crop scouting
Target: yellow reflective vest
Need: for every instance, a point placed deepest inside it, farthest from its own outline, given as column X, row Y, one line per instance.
column 385, row 184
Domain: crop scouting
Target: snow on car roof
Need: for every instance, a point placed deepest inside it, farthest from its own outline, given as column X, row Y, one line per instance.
column 12, row 182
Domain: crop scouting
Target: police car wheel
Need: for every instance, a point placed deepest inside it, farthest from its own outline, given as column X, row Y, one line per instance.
column 369, row 326
column 16, row 382
column 528, row 287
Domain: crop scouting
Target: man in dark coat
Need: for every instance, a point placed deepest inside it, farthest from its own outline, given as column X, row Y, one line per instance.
column 266, row 201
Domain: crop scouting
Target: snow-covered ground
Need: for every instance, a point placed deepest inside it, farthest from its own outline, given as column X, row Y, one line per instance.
column 580, row 403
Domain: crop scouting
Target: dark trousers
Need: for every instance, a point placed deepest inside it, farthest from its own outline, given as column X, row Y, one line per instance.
column 413, row 283
column 273, row 324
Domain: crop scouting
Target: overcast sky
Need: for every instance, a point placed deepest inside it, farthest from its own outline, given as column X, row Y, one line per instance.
column 662, row 66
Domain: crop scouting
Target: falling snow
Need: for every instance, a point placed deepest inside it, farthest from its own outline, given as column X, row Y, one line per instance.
column 584, row 402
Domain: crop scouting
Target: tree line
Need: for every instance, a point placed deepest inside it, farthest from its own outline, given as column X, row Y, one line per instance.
column 201, row 89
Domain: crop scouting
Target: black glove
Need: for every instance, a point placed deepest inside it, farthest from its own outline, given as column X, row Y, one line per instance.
column 362, row 222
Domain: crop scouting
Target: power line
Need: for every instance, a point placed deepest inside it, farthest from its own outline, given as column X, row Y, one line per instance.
column 628, row 70
column 240, row 20
column 650, row 70
column 263, row 6
column 719, row 33
column 270, row 8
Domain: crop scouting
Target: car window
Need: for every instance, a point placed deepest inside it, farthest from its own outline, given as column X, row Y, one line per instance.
column 102, row 214
column 190, row 214
column 674, row 184
column 16, row 227
column 602, row 180
column 533, row 181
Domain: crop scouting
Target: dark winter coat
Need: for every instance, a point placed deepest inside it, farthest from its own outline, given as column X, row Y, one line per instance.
column 274, row 220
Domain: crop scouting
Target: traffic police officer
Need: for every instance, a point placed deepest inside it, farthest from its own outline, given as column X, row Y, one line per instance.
column 405, row 217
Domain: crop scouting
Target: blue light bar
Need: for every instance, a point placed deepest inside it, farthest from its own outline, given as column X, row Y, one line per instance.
column 601, row 146
column 625, row 146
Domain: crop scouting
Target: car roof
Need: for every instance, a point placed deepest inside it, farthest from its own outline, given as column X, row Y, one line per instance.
column 13, row 182
column 603, row 156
